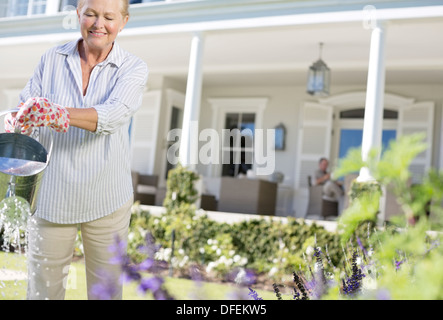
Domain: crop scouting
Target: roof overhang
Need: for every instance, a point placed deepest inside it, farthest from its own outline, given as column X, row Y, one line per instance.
column 276, row 40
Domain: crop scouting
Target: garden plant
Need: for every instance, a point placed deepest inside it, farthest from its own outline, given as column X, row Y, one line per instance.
column 364, row 259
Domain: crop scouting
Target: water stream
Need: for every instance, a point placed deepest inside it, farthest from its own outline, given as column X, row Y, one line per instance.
column 14, row 214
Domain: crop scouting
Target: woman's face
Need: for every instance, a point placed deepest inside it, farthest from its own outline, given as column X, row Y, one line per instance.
column 100, row 22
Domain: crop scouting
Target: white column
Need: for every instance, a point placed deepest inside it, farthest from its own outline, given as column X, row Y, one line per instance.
column 52, row 6
column 373, row 121
column 189, row 137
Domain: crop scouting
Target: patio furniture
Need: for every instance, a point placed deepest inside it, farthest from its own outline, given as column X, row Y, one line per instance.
column 145, row 188
column 319, row 206
column 329, row 209
column 315, row 201
column 243, row 195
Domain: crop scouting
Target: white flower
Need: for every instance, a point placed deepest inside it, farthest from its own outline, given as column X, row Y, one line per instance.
column 309, row 250
column 209, row 241
column 231, row 252
column 211, row 265
column 239, row 278
column 202, row 250
column 369, row 283
column 273, row 271
column 237, row 258
column 163, row 254
column 183, row 261
column 218, row 252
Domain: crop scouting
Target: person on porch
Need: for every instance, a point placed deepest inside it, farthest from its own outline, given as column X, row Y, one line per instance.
column 332, row 189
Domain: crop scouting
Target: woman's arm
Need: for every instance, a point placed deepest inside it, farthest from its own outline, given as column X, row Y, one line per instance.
column 83, row 118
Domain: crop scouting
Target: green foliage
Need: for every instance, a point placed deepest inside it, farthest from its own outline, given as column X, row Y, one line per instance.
column 363, row 208
column 408, row 256
column 400, row 261
column 180, row 188
column 264, row 245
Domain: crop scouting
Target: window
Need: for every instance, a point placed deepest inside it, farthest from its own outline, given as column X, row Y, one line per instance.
column 12, row 8
column 360, row 114
column 238, row 149
column 242, row 116
column 352, row 138
column 66, row 3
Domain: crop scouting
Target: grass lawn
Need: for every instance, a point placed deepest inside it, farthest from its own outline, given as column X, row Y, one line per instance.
column 180, row 289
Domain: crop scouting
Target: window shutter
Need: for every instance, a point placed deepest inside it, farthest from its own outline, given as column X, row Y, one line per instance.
column 418, row 117
column 314, row 140
column 144, row 133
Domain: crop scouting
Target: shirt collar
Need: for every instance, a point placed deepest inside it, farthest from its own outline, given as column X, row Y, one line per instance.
column 115, row 56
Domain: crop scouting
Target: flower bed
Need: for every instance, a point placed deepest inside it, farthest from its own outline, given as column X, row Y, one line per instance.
column 399, row 261
column 270, row 248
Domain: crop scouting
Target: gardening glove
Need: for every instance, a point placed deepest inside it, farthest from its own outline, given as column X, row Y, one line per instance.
column 11, row 122
column 39, row 112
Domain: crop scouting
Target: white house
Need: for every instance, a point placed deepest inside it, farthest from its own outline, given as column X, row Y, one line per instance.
column 244, row 63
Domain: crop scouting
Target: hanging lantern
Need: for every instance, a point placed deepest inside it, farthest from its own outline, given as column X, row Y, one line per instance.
column 319, row 78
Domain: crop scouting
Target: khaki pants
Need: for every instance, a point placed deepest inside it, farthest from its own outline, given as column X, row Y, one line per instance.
column 50, row 252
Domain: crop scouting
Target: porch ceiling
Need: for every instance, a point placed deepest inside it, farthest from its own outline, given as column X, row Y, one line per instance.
column 273, row 55
column 282, row 55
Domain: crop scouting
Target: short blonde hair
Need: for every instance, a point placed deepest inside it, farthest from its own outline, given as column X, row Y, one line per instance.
column 124, row 6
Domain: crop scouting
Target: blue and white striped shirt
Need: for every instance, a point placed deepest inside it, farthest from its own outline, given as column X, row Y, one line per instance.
column 89, row 174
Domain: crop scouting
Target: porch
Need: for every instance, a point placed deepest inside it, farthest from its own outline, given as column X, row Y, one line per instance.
column 245, row 62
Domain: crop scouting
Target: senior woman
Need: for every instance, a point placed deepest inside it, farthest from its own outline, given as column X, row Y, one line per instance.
column 87, row 90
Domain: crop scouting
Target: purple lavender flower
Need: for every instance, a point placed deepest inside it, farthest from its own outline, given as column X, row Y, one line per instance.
column 365, row 252
column 320, row 268
column 119, row 252
column 131, row 272
column 150, row 284
column 277, row 291
column 398, row 264
column 299, row 283
column 106, row 288
column 383, row 294
column 352, row 285
column 155, row 286
column 150, row 247
column 254, row 295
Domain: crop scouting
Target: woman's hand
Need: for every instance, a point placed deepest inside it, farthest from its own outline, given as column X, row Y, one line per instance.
column 11, row 124
column 39, row 112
